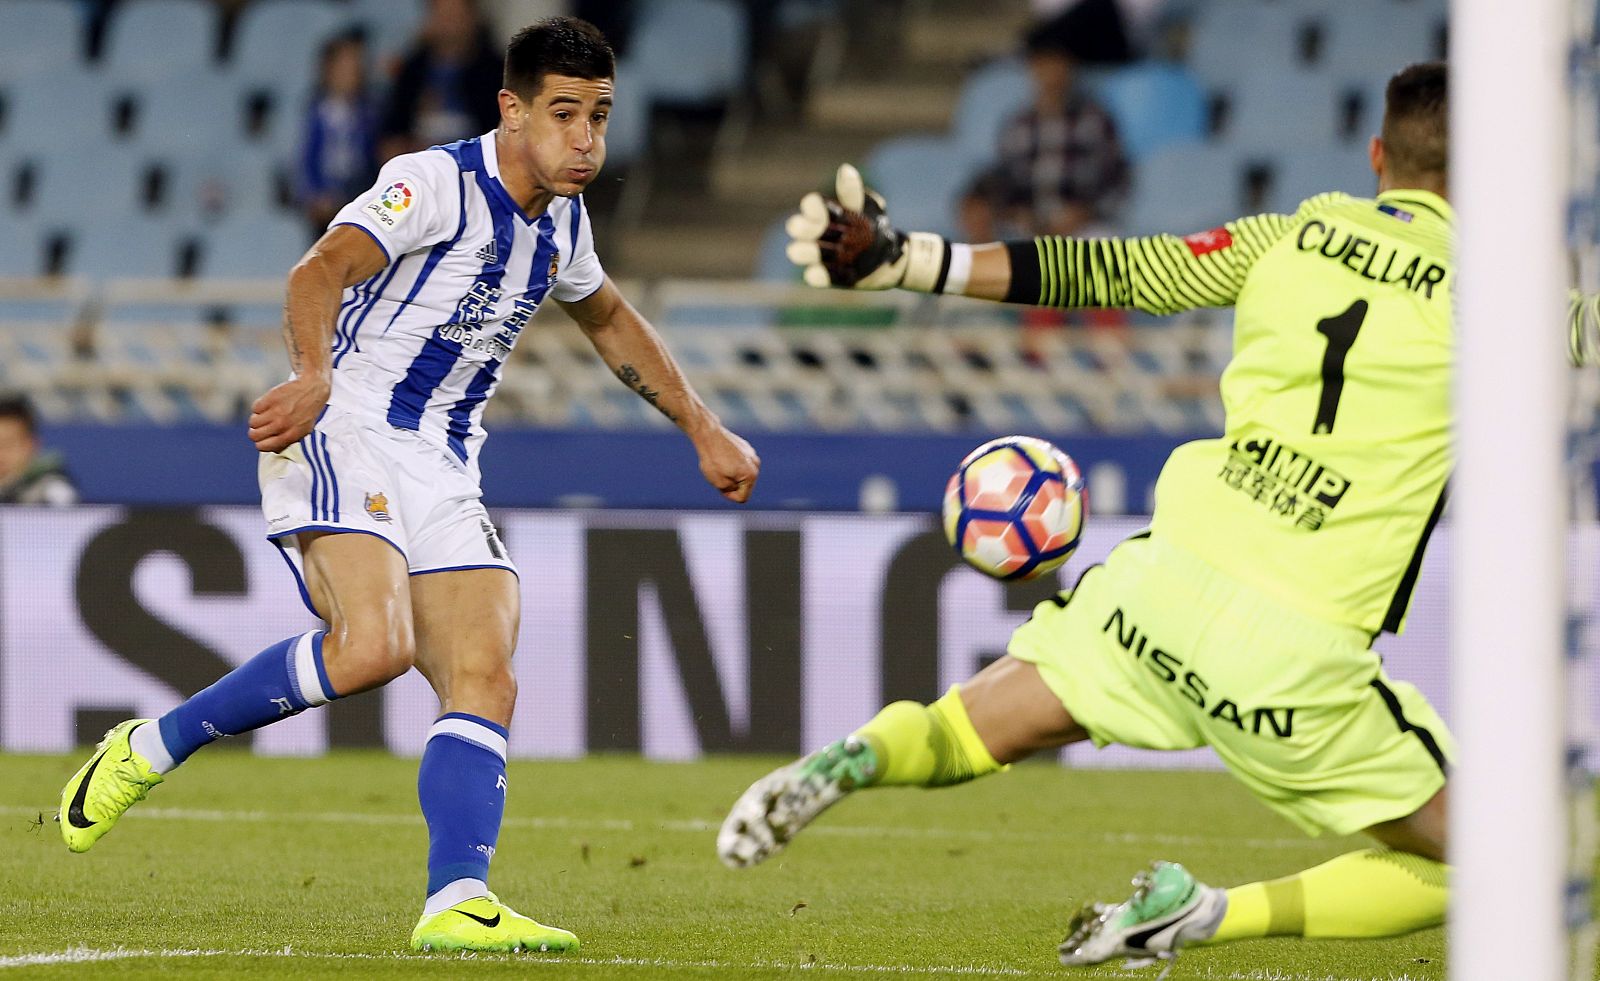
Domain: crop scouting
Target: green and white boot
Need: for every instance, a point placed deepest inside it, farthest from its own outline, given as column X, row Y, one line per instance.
column 780, row 804
column 1169, row 908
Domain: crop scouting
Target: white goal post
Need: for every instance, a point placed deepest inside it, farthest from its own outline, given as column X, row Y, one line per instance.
column 1509, row 169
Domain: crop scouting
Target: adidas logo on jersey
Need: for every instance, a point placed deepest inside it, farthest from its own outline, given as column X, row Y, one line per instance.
column 487, row 253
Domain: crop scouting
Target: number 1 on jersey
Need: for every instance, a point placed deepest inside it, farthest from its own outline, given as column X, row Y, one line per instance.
column 1341, row 332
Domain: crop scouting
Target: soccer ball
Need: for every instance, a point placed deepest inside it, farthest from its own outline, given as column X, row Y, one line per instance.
column 1014, row 509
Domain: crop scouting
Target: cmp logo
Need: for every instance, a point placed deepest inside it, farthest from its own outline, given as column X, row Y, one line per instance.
column 378, row 506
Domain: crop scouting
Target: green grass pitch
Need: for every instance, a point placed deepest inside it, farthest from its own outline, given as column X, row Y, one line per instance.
column 245, row 867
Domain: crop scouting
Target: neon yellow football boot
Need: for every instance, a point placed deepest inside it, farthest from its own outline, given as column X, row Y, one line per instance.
column 114, row 779
column 485, row 923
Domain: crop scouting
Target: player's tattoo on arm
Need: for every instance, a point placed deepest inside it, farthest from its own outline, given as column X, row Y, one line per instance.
column 630, row 377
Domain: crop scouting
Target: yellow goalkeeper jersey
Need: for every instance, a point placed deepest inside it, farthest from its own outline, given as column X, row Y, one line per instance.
column 1331, row 472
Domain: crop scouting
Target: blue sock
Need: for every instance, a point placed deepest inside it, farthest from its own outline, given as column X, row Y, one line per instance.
column 462, row 787
column 283, row 680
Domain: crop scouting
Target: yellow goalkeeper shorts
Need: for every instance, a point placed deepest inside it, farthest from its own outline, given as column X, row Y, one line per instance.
column 1156, row 649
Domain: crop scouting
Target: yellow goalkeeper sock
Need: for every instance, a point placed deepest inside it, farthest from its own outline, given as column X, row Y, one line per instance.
column 927, row 745
column 1371, row 893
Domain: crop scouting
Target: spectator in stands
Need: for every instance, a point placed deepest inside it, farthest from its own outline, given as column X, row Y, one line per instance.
column 339, row 158
column 28, row 476
column 446, row 88
column 1061, row 169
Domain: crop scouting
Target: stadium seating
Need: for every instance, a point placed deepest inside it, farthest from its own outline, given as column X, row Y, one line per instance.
column 261, row 246
column 1227, row 37
column 1186, row 188
column 1155, row 105
column 924, row 177
column 990, row 97
column 53, row 111
column 1291, row 110
column 690, row 52
column 276, row 44
column 1304, row 171
column 161, row 38
column 39, row 36
column 113, row 246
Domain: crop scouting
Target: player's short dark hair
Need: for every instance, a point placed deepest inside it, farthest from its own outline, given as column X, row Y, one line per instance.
column 557, row 46
column 18, row 407
column 1416, row 120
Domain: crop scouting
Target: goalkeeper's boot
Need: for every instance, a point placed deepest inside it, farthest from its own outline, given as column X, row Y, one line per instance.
column 784, row 801
column 485, row 923
column 1168, row 909
column 114, row 779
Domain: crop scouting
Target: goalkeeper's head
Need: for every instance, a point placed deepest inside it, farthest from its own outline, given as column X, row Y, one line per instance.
column 555, row 103
column 1413, row 150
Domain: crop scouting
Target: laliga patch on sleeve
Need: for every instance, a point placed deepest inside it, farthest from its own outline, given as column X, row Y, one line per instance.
column 391, row 207
column 1212, row 240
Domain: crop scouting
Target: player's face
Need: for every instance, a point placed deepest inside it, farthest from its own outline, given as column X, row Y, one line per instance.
column 562, row 136
column 16, row 449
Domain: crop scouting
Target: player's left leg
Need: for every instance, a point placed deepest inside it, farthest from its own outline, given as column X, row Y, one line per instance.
column 1002, row 714
column 1376, row 892
column 466, row 630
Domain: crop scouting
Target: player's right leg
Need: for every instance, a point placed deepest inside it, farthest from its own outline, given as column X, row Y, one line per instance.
column 1003, row 714
column 358, row 583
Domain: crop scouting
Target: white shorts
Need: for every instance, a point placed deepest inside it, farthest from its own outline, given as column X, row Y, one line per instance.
column 349, row 476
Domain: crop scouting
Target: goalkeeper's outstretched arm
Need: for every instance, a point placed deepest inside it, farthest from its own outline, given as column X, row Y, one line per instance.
column 847, row 240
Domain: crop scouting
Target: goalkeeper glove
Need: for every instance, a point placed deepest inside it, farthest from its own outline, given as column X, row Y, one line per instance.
column 846, row 240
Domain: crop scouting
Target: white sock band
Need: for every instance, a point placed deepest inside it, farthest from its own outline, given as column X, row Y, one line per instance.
column 455, row 892
column 305, row 677
column 472, row 732
column 955, row 281
column 147, row 742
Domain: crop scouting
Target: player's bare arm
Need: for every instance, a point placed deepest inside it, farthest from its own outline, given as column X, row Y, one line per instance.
column 634, row 352
column 343, row 257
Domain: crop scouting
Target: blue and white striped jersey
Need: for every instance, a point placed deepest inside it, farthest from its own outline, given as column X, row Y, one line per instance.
column 420, row 345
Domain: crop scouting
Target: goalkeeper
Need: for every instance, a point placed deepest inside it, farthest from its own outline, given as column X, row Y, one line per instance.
column 1243, row 619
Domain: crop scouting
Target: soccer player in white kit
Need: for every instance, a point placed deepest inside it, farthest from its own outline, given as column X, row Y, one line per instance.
column 399, row 323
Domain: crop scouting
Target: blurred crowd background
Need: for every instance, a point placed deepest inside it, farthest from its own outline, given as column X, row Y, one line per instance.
column 164, row 162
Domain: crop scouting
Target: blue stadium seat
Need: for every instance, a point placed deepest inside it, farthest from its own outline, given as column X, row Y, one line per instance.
column 628, row 128
column 690, row 52
column 772, row 264
column 157, row 38
column 38, row 36
column 1227, row 35
column 55, row 111
column 1184, row 189
column 922, row 177
column 391, row 25
column 276, row 43
column 1284, row 111
column 21, row 248
column 990, row 98
column 75, row 188
column 1154, row 105
column 198, row 109
column 218, row 185
column 112, row 247
column 259, row 247
column 1373, row 40
column 1305, row 171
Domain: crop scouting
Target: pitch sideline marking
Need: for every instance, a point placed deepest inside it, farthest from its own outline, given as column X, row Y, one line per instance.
column 90, row 955
column 691, row 827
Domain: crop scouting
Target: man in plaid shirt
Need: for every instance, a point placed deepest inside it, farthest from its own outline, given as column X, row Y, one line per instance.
column 1061, row 169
